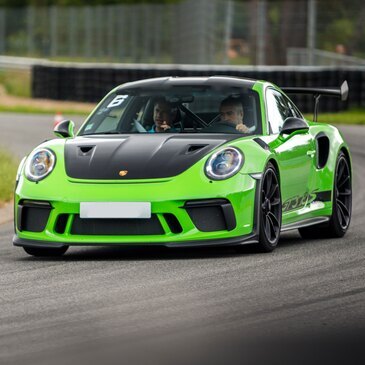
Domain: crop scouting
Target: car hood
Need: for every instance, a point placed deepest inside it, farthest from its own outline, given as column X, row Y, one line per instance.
column 141, row 156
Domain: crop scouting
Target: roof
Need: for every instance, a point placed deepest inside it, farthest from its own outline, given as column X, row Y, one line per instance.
column 164, row 83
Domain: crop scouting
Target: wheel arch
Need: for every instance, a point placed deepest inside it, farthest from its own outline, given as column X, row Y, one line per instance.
column 276, row 165
column 346, row 152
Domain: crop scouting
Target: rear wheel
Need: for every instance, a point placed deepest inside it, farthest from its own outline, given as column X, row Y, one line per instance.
column 45, row 251
column 270, row 210
column 341, row 205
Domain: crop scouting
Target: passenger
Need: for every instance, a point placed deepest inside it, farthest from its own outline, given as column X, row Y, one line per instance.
column 163, row 117
column 231, row 118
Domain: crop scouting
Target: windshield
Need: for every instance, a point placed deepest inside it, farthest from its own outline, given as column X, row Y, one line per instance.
column 177, row 110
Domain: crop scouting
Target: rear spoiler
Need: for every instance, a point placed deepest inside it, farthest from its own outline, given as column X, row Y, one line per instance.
column 341, row 92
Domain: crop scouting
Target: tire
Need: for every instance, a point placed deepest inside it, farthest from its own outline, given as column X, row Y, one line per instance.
column 46, row 252
column 341, row 205
column 270, row 210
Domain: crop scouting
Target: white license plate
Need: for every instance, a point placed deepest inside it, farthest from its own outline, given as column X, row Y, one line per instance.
column 115, row 210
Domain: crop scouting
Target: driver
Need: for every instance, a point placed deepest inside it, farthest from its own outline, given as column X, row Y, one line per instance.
column 231, row 117
column 163, row 116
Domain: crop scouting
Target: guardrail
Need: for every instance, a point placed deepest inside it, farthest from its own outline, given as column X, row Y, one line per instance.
column 22, row 63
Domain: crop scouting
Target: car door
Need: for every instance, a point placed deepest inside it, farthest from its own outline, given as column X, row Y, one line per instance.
column 295, row 152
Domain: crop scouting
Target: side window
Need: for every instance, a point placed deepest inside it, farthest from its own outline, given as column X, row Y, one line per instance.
column 277, row 110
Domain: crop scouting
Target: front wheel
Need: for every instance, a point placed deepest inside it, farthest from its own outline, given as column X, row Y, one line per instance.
column 46, row 251
column 341, row 205
column 270, row 210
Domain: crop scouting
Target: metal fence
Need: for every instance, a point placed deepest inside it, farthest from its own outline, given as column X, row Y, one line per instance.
column 238, row 32
column 193, row 31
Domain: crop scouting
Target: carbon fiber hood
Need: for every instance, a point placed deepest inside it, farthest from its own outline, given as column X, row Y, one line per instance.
column 142, row 156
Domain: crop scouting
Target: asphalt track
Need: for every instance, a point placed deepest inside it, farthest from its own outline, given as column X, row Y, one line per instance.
column 302, row 304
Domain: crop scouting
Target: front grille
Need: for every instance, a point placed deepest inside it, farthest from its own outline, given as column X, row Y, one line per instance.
column 33, row 215
column 117, row 227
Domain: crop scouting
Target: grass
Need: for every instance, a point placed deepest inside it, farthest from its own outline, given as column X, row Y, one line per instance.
column 38, row 110
column 351, row 116
column 16, row 82
column 8, row 168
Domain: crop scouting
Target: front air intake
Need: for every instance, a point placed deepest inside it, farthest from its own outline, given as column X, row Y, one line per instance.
column 211, row 215
column 33, row 215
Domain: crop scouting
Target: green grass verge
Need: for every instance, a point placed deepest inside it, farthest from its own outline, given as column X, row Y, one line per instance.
column 16, row 82
column 352, row 116
column 8, row 168
column 36, row 110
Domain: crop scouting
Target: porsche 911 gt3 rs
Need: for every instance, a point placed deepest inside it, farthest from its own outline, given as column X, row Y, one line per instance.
column 130, row 177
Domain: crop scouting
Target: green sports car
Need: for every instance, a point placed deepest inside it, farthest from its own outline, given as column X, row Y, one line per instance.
column 185, row 162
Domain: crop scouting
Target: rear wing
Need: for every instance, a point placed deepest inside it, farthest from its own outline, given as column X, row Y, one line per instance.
column 341, row 92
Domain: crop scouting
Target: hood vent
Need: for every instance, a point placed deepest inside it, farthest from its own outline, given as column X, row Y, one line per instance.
column 195, row 147
column 86, row 149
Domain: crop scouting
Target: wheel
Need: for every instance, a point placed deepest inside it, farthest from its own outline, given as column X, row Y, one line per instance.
column 270, row 210
column 341, row 205
column 46, row 252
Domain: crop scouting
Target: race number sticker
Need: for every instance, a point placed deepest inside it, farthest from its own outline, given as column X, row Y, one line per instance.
column 118, row 100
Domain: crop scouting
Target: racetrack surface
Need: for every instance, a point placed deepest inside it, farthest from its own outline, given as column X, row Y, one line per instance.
column 303, row 303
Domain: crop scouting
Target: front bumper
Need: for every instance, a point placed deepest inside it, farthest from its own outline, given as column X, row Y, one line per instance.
column 227, row 213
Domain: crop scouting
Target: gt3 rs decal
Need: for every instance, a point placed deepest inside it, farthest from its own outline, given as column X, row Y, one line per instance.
column 298, row 201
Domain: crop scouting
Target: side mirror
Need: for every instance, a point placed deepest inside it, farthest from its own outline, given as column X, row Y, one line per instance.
column 65, row 129
column 293, row 124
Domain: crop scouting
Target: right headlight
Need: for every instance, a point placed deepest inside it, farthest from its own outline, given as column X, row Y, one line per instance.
column 224, row 163
column 39, row 164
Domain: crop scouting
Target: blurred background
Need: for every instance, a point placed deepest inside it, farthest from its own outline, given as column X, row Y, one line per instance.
column 79, row 50
column 228, row 32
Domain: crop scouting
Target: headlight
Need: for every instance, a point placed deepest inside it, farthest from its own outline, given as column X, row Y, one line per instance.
column 39, row 164
column 224, row 163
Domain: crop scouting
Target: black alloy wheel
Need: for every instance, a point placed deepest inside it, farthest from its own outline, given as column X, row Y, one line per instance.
column 341, row 205
column 343, row 193
column 270, row 214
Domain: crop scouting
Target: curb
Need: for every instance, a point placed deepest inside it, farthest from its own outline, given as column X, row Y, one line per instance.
column 6, row 213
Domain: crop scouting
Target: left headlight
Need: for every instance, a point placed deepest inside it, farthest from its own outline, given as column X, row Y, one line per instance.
column 224, row 163
column 39, row 164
